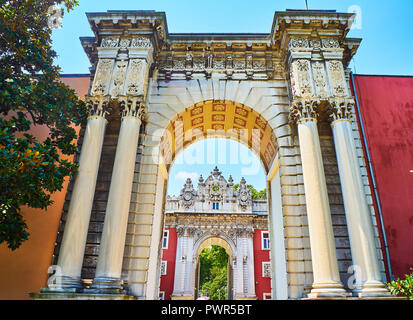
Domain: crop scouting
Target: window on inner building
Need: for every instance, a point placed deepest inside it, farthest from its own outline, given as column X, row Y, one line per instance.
column 165, row 239
column 215, row 206
column 266, row 269
column 164, row 265
column 265, row 240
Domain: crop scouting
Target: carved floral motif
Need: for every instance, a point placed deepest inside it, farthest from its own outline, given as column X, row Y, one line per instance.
column 102, row 77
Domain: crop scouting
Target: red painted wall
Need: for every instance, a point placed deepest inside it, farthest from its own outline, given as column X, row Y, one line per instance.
column 262, row 285
column 386, row 107
column 169, row 255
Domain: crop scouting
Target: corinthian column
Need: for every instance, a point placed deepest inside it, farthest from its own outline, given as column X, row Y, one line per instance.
column 109, row 266
column 77, row 221
column 323, row 252
column 360, row 227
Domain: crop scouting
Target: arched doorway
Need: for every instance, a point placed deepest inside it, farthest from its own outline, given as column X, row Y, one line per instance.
column 215, row 246
column 230, row 120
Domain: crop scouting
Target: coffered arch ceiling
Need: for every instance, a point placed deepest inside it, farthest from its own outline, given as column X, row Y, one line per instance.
column 219, row 119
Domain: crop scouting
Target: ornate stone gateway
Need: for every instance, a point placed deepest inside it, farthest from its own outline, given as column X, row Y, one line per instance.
column 284, row 94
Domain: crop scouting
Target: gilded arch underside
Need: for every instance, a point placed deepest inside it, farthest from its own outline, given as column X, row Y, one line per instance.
column 212, row 119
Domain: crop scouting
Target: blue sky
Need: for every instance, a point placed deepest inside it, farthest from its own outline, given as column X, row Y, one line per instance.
column 386, row 26
column 229, row 156
column 387, row 47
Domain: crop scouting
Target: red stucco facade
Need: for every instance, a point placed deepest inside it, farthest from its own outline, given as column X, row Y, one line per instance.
column 386, row 108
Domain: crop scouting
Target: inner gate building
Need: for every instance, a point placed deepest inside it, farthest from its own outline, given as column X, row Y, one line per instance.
column 216, row 213
column 288, row 95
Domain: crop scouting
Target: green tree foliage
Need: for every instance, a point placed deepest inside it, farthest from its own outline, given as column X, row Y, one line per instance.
column 213, row 280
column 31, row 94
column 256, row 195
column 402, row 287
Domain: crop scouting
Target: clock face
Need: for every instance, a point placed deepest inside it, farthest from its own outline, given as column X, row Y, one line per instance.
column 187, row 195
column 215, row 188
column 244, row 197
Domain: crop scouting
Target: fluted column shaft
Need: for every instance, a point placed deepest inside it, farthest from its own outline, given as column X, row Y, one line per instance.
column 323, row 252
column 77, row 222
column 360, row 226
column 109, row 266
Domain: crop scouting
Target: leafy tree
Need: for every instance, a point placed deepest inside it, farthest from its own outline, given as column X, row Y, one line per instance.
column 213, row 273
column 31, row 95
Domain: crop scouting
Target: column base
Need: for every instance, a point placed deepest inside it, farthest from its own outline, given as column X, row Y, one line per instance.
column 246, row 298
column 328, row 290
column 372, row 289
column 79, row 296
column 182, row 297
column 64, row 284
column 106, row 285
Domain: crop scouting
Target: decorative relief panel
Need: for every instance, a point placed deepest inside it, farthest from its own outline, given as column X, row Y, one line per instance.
column 337, row 78
column 320, row 79
column 136, row 76
column 110, row 42
column 301, row 79
column 102, row 77
column 119, row 78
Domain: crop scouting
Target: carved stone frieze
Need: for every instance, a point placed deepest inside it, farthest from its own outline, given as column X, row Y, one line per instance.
column 299, row 42
column 330, row 43
column 109, row 42
column 141, row 42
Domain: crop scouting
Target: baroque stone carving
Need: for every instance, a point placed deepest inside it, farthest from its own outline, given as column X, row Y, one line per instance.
column 337, row 78
column 109, row 42
column 102, row 76
column 97, row 105
column 298, row 42
column 141, row 42
column 304, row 110
column 119, row 78
column 301, row 78
column 188, row 194
column 330, row 43
column 244, row 195
column 340, row 109
column 132, row 107
column 320, row 80
column 136, row 74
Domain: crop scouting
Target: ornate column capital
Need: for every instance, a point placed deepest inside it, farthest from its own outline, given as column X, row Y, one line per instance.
column 98, row 106
column 340, row 109
column 304, row 110
column 132, row 107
